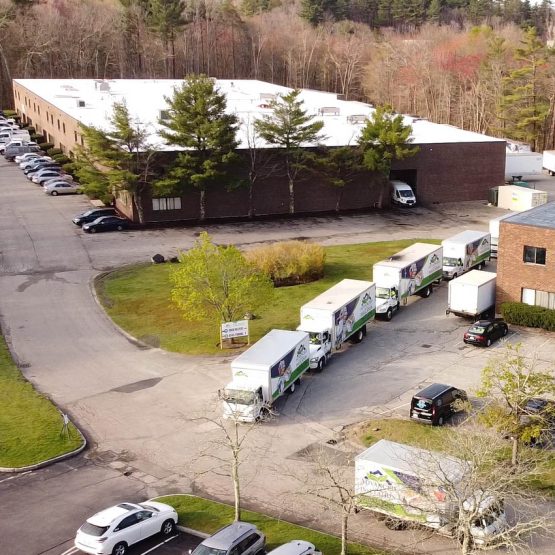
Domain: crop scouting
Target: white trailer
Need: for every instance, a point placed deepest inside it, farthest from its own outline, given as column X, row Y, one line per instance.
column 472, row 295
column 549, row 161
column 522, row 164
column 409, row 485
column 411, row 271
column 494, row 232
column 519, row 199
column 465, row 251
column 263, row 373
column 338, row 314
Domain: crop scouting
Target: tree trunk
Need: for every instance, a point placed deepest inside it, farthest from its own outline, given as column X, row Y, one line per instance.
column 202, row 208
column 514, row 454
column 338, row 200
column 235, row 473
column 344, row 538
column 251, row 202
column 138, row 202
column 291, row 196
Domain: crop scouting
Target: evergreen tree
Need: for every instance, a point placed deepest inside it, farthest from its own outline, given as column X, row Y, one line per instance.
column 315, row 11
column 198, row 122
column 252, row 7
column 290, row 128
column 433, row 12
column 524, row 106
column 116, row 160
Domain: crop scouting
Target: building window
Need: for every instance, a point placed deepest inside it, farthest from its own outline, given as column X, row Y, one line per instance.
column 38, row 109
column 534, row 255
column 538, row 298
column 64, row 127
column 75, row 135
column 82, row 141
column 58, row 124
column 170, row 203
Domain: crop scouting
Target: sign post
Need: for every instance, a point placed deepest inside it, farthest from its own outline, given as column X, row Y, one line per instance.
column 230, row 330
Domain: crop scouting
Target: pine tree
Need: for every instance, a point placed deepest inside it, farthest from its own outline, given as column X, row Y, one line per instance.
column 290, row 128
column 524, row 106
column 198, row 122
column 116, row 160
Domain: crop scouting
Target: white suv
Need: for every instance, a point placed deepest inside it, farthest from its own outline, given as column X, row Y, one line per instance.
column 113, row 530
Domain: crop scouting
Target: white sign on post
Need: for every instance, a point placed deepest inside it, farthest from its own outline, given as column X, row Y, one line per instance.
column 235, row 329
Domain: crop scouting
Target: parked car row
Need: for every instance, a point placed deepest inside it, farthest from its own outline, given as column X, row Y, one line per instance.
column 13, row 140
column 113, row 530
column 101, row 219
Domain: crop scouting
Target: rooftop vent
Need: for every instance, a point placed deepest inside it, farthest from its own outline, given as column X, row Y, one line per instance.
column 331, row 110
column 357, row 118
column 80, row 103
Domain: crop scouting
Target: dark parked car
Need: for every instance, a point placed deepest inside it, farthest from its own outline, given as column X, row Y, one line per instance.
column 485, row 332
column 106, row 223
column 93, row 214
column 40, row 166
column 436, row 403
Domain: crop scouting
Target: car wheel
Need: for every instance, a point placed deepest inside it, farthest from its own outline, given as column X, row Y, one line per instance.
column 358, row 336
column 480, row 266
column 389, row 314
column 320, row 366
column 505, row 331
column 168, row 527
column 92, row 229
column 440, row 421
column 292, row 387
column 54, row 193
column 488, row 342
column 119, row 228
column 428, row 291
column 119, row 549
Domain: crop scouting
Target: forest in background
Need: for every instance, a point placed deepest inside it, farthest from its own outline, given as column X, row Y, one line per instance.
column 470, row 63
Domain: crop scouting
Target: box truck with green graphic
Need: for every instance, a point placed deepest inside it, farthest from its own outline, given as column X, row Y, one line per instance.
column 412, row 486
column 411, row 271
column 338, row 314
column 465, row 251
column 263, row 373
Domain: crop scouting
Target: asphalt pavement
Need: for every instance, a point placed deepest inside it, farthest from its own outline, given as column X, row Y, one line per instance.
column 151, row 416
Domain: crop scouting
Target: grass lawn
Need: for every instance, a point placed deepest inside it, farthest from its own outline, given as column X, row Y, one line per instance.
column 208, row 516
column 138, row 299
column 432, row 437
column 30, row 424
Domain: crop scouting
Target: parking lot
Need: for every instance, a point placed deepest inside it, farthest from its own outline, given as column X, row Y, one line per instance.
column 150, row 414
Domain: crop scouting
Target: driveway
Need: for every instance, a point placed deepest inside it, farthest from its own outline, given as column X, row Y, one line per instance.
column 153, row 414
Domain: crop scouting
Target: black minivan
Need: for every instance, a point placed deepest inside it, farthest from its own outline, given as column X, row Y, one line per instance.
column 436, row 403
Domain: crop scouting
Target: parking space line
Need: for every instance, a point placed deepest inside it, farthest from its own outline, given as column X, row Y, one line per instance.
column 14, row 476
column 69, row 551
column 157, row 546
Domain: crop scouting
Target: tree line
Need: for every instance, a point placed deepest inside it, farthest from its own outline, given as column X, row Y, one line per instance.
column 465, row 67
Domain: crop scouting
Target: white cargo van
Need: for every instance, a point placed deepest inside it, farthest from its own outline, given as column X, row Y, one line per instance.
column 402, row 194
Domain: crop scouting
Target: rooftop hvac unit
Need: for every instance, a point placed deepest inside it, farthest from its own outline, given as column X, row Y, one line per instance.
column 80, row 103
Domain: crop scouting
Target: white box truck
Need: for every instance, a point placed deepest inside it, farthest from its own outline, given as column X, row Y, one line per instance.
column 411, row 271
column 472, row 295
column 522, row 164
column 409, row 485
column 549, row 161
column 465, row 251
column 263, row 373
column 494, row 232
column 338, row 314
column 519, row 199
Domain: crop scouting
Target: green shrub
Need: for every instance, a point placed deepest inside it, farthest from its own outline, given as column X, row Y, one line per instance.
column 10, row 113
column 61, row 159
column 31, row 130
column 37, row 138
column 46, row 146
column 289, row 262
column 69, row 168
column 54, row 151
column 528, row 315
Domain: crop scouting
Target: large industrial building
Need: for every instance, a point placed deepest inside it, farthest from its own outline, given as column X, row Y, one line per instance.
column 526, row 257
column 451, row 164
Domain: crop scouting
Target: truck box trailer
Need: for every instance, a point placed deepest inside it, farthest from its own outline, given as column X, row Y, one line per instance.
column 338, row 314
column 472, row 295
column 494, row 232
column 522, row 164
column 548, row 161
column 409, row 485
column 264, row 372
column 465, row 251
column 411, row 271
column 519, row 199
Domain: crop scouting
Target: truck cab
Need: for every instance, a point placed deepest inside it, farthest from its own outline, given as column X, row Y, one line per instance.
column 320, row 343
column 402, row 194
column 387, row 302
column 452, row 267
column 242, row 401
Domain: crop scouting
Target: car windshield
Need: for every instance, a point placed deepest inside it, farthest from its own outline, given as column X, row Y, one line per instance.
column 477, row 329
column 315, row 338
column 405, row 193
column 450, row 261
column 93, row 529
column 205, row 550
column 239, row 397
column 382, row 292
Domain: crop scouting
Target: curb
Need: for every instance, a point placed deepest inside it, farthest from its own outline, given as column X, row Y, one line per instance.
column 48, row 462
column 192, row 532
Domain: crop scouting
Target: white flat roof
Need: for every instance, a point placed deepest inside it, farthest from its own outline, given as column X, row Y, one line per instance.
column 475, row 277
column 338, row 295
column 248, row 99
column 414, row 252
column 465, row 237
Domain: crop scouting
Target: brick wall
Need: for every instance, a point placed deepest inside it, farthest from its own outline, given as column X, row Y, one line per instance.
column 512, row 272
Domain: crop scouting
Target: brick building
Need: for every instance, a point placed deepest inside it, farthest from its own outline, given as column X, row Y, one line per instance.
column 451, row 164
column 526, row 257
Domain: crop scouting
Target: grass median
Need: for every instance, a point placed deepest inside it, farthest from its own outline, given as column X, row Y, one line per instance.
column 138, row 299
column 208, row 516
column 31, row 427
